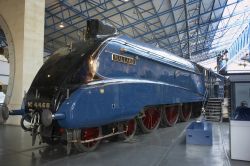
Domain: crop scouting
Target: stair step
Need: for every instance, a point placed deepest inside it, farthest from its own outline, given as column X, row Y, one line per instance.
column 212, row 102
column 216, row 101
column 214, row 98
column 213, row 114
column 216, row 112
column 213, row 107
column 212, row 111
column 213, row 118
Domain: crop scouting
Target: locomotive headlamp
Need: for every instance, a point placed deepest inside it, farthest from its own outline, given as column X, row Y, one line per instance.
column 47, row 117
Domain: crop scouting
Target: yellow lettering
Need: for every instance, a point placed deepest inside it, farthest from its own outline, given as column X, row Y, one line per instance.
column 123, row 59
column 30, row 104
column 43, row 105
column 47, row 105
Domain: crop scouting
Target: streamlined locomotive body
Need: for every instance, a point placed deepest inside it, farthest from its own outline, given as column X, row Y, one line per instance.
column 101, row 87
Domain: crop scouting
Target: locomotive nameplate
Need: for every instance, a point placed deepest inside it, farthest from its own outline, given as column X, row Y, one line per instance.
column 123, row 59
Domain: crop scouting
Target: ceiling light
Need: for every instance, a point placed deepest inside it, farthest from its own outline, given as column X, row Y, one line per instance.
column 61, row 25
column 125, row 0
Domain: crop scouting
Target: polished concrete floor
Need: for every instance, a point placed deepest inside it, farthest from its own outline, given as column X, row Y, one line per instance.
column 165, row 146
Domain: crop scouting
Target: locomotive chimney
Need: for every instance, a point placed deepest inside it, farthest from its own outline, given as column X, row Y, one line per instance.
column 98, row 29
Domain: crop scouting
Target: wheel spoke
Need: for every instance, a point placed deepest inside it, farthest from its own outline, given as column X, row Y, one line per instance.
column 170, row 115
column 151, row 119
column 85, row 135
column 186, row 112
column 130, row 128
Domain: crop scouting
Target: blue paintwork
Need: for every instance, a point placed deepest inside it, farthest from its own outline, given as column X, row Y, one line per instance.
column 157, row 78
column 117, row 100
column 199, row 133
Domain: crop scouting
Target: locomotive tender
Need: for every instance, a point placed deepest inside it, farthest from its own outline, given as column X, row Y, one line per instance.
column 107, row 84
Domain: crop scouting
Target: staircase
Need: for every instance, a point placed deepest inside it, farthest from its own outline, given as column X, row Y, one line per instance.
column 213, row 110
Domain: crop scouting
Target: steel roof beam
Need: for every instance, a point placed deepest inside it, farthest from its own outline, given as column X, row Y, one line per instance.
column 80, row 14
column 76, row 15
column 59, row 18
column 76, row 4
column 199, row 20
column 186, row 18
column 161, row 13
column 53, row 6
column 167, row 26
column 173, row 17
column 202, row 25
column 211, row 31
column 159, row 19
column 231, row 15
column 146, row 24
column 98, row 13
column 210, row 17
column 134, row 28
column 55, row 30
column 101, row 4
column 137, row 22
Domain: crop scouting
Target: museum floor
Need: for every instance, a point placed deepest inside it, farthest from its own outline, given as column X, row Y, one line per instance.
column 165, row 146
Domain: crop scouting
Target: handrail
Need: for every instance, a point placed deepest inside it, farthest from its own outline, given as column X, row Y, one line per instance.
column 204, row 101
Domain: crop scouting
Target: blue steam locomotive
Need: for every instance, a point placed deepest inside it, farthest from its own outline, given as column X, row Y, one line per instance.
column 105, row 86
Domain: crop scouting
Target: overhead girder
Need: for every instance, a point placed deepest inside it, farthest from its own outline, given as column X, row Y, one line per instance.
column 180, row 26
column 205, row 33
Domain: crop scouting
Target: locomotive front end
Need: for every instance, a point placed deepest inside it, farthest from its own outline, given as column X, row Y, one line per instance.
column 61, row 74
column 64, row 72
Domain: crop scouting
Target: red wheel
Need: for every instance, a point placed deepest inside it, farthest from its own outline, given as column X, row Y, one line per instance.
column 130, row 128
column 87, row 134
column 170, row 115
column 186, row 112
column 150, row 120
